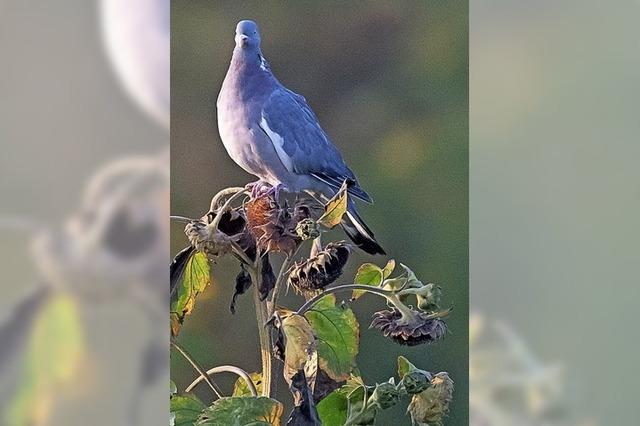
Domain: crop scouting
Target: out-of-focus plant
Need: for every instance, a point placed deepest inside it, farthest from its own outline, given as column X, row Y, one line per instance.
column 510, row 385
column 318, row 342
column 110, row 249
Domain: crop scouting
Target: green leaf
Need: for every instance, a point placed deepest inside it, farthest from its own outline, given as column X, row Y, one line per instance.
column 185, row 409
column 404, row 366
column 242, row 411
column 335, row 208
column 388, row 269
column 338, row 334
column 347, row 405
column 333, row 408
column 173, row 389
column 55, row 350
column 195, row 279
column 367, row 274
column 240, row 388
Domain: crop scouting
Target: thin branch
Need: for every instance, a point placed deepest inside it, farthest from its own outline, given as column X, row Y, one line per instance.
column 347, row 287
column 240, row 254
column 229, row 369
column 182, row 219
column 280, row 278
column 197, row 367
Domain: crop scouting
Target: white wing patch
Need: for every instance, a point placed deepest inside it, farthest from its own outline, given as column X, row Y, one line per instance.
column 278, row 144
column 263, row 64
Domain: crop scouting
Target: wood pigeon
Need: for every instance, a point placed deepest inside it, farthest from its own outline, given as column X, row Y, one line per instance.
column 272, row 133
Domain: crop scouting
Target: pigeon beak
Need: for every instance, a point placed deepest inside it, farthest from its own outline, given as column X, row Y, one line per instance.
column 243, row 39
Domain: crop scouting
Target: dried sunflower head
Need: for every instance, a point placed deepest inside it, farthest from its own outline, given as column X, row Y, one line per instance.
column 320, row 270
column 205, row 239
column 432, row 405
column 273, row 226
column 215, row 242
column 411, row 330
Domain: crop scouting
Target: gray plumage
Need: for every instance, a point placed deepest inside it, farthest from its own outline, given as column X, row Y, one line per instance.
column 272, row 133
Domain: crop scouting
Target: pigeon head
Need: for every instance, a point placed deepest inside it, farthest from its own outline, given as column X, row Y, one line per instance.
column 247, row 35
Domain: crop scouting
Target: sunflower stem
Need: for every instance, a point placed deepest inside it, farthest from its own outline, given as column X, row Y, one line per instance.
column 264, row 334
column 228, row 369
column 388, row 295
column 237, row 193
column 405, row 311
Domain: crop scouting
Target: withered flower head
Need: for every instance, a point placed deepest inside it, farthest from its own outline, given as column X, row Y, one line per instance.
column 432, row 405
column 205, row 239
column 215, row 242
column 307, row 229
column 410, row 330
column 320, row 270
column 386, row 395
column 274, row 226
column 416, row 381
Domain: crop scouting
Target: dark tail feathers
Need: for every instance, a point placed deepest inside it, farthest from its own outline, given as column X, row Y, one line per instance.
column 359, row 232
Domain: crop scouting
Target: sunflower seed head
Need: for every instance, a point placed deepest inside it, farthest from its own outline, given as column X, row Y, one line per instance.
column 319, row 271
column 413, row 331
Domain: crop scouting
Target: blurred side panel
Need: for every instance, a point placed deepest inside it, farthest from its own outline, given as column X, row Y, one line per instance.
column 554, row 211
column 84, row 183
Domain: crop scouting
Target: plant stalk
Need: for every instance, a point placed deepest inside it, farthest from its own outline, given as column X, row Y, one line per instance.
column 347, row 287
column 263, row 332
column 228, row 369
column 197, row 367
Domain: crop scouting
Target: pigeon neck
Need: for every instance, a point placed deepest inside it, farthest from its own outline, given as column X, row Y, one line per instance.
column 247, row 58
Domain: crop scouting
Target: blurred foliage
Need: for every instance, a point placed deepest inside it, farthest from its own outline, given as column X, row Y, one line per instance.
column 389, row 83
column 51, row 362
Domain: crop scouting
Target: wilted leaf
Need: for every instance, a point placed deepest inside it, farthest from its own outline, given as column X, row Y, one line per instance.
column 52, row 359
column 195, row 278
column 243, row 282
column 296, row 345
column 185, row 409
column 304, row 412
column 242, row 389
column 367, row 274
column 337, row 332
column 335, row 208
column 325, row 385
column 431, row 406
column 299, row 342
column 242, row 411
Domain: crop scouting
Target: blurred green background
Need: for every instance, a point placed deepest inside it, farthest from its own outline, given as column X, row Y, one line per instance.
column 389, row 83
